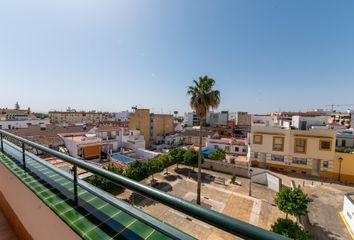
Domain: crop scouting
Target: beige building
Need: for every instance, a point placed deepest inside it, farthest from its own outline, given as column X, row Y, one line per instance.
column 309, row 152
column 73, row 117
column 151, row 125
column 191, row 137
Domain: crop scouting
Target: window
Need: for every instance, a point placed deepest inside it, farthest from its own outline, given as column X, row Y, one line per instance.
column 300, row 145
column 277, row 158
column 301, row 161
column 325, row 145
column 343, row 143
column 255, row 154
column 325, row 164
column 257, row 139
column 236, row 149
column 278, row 144
column 244, row 150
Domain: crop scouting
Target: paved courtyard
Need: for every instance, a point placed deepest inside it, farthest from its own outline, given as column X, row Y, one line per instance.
column 232, row 200
column 327, row 203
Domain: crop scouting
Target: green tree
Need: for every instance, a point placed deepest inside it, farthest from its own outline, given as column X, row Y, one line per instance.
column 153, row 166
column 191, row 157
column 177, row 155
column 17, row 106
column 292, row 201
column 217, row 154
column 202, row 99
column 105, row 184
column 290, row 229
column 137, row 170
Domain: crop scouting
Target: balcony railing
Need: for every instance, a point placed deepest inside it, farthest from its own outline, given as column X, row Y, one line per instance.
column 218, row 220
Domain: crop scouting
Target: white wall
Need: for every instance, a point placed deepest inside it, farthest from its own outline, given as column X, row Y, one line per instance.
column 266, row 178
column 348, row 212
column 146, row 154
column 262, row 120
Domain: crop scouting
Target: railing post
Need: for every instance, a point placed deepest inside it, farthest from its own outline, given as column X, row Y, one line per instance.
column 75, row 183
column 23, row 155
column 2, row 143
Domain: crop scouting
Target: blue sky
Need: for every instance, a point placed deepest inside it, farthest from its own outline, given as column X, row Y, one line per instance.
column 111, row 55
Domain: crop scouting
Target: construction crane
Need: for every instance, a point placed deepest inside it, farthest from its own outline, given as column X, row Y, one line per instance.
column 338, row 105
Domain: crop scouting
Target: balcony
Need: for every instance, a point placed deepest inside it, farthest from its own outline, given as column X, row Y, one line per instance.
column 49, row 203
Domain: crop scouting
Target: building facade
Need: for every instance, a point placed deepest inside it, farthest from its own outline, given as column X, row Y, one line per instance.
column 310, row 152
column 151, row 125
column 73, row 117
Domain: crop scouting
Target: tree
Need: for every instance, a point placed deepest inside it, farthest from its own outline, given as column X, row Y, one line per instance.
column 217, row 154
column 191, row 157
column 290, row 229
column 153, row 166
column 17, row 106
column 292, row 201
column 202, row 98
column 137, row 170
column 177, row 155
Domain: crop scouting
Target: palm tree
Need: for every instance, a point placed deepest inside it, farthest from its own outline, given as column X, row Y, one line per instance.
column 202, row 99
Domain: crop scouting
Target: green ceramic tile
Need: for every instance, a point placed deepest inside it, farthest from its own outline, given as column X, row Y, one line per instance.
column 140, row 229
column 110, row 211
column 71, row 215
column 62, row 207
column 96, row 234
column 157, row 235
column 86, row 196
column 83, row 226
column 97, row 202
column 123, row 219
column 46, row 194
column 53, row 200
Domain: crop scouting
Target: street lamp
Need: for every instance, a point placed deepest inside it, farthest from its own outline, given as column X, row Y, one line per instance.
column 340, row 167
column 250, row 187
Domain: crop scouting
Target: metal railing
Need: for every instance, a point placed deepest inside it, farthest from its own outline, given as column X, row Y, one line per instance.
column 218, row 220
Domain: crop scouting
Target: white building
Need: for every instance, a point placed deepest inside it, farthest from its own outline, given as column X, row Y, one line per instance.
column 122, row 116
column 345, row 138
column 15, row 119
column 102, row 140
column 217, row 118
column 190, row 119
column 262, row 120
column 230, row 145
column 305, row 123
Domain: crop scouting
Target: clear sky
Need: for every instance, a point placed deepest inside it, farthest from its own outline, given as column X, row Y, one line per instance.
column 110, row 55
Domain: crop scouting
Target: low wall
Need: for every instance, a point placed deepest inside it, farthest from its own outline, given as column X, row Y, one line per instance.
column 23, row 208
column 266, row 178
column 238, row 169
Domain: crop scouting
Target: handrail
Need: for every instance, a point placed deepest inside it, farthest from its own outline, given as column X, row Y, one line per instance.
column 219, row 220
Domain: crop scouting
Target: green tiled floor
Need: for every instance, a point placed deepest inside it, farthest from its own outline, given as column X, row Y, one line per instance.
column 91, row 217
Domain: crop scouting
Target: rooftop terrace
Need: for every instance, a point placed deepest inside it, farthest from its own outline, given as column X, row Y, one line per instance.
column 92, row 213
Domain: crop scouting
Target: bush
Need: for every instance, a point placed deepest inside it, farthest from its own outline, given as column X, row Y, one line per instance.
column 344, row 150
column 233, row 179
column 290, row 229
column 217, row 154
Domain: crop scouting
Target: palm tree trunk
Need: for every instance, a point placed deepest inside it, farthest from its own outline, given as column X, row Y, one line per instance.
column 199, row 187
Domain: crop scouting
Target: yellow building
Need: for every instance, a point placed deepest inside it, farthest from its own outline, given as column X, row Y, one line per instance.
column 310, row 152
column 73, row 117
column 151, row 125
